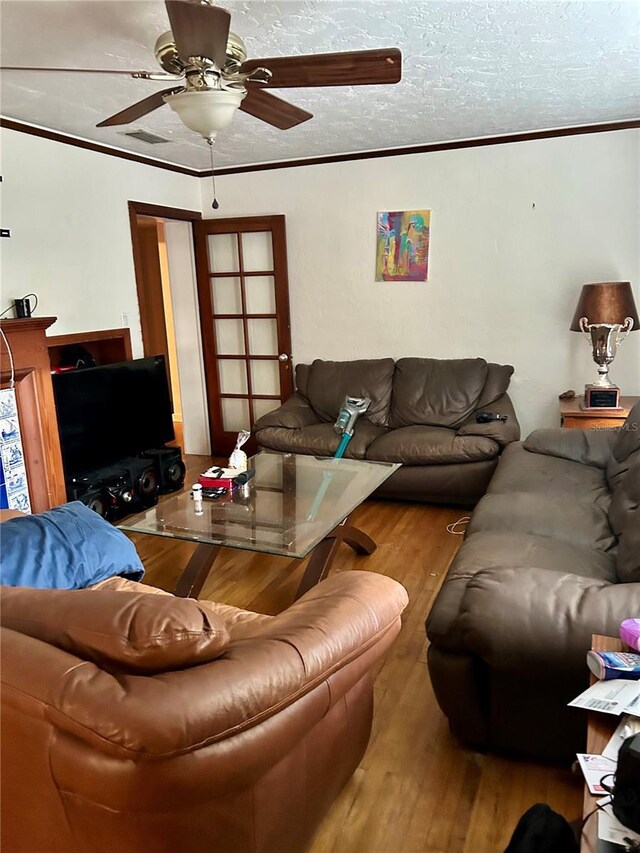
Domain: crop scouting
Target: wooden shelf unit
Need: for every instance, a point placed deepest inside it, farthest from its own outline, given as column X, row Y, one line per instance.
column 106, row 346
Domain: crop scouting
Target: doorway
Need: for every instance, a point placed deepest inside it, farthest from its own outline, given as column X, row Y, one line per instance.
column 164, row 260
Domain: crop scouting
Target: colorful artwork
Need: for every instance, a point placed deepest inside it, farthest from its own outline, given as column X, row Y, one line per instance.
column 402, row 252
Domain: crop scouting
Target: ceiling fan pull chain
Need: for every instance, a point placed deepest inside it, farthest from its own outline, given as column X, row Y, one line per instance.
column 215, row 204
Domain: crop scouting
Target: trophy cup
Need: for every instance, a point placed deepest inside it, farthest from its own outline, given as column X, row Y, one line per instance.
column 606, row 313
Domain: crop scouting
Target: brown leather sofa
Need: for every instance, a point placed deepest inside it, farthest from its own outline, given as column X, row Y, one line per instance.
column 422, row 414
column 551, row 556
column 144, row 723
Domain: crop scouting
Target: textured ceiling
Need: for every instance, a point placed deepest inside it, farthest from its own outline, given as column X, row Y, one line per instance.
column 470, row 69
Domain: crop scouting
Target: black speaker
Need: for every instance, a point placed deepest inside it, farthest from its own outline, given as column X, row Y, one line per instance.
column 625, row 799
column 144, row 480
column 169, row 465
column 90, row 491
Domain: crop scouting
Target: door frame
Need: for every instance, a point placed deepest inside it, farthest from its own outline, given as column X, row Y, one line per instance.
column 141, row 208
column 275, row 223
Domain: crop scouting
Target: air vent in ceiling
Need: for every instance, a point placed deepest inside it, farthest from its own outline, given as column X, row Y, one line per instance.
column 145, row 136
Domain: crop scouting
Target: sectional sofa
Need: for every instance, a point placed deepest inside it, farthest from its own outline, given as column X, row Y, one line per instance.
column 551, row 556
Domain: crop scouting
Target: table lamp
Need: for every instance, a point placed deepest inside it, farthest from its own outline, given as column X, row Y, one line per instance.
column 606, row 313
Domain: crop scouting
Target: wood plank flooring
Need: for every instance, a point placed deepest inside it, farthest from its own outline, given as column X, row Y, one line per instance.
column 417, row 790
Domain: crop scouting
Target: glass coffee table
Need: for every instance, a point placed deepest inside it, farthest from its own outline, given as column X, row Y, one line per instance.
column 293, row 506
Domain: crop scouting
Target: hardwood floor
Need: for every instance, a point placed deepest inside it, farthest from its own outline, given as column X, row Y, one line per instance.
column 417, row 790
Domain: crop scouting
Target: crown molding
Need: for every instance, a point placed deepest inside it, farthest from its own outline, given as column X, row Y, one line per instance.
column 89, row 145
column 477, row 142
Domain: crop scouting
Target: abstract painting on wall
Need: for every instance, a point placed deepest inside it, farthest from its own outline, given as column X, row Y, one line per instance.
column 402, row 251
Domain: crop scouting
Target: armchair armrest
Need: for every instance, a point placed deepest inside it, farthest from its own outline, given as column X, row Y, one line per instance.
column 501, row 432
column 538, row 619
column 296, row 412
column 589, row 447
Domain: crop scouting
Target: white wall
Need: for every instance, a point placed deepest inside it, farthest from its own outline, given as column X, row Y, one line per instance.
column 71, row 241
column 516, row 230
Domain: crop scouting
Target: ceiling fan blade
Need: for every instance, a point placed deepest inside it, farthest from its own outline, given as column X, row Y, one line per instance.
column 275, row 111
column 82, row 70
column 199, row 29
column 139, row 109
column 355, row 68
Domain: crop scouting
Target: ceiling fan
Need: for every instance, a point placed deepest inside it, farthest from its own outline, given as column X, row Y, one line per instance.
column 210, row 62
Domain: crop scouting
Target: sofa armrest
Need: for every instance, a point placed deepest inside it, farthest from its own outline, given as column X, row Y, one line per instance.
column 296, row 412
column 500, row 431
column 331, row 636
column 537, row 621
column 587, row 446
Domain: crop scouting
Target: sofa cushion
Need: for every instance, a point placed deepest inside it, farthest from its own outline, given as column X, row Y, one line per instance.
column 629, row 436
column 587, row 446
column 436, row 392
column 548, row 515
column 624, row 515
column 508, row 553
column 423, row 445
column 491, row 549
column 329, row 382
column 133, row 631
column 497, row 383
column 67, row 547
column 319, row 439
column 522, row 471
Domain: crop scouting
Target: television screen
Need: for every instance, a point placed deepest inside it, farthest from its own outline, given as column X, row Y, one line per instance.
column 107, row 413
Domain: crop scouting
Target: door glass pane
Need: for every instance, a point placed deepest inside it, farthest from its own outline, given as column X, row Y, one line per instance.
column 223, row 253
column 257, row 250
column 235, row 414
column 263, row 407
column 233, row 376
column 230, row 337
column 260, row 294
column 265, row 377
column 226, row 296
column 263, row 336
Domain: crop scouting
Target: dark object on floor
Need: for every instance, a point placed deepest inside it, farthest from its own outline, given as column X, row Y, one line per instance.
column 541, row 830
column 626, row 791
column 567, row 395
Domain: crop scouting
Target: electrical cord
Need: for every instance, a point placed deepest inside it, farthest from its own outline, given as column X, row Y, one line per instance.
column 631, row 845
column 35, row 296
column 452, row 528
column 12, row 381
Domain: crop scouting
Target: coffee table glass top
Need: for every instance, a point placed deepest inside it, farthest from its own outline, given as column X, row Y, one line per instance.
column 293, row 502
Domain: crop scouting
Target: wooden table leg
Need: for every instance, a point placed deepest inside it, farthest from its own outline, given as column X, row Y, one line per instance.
column 197, row 570
column 324, row 552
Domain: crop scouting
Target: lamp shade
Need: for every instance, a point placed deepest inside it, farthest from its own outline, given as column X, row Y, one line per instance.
column 606, row 302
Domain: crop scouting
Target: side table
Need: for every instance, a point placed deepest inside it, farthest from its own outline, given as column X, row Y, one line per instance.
column 600, row 727
column 573, row 417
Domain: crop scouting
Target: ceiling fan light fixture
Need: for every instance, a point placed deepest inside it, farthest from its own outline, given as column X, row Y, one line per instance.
column 206, row 112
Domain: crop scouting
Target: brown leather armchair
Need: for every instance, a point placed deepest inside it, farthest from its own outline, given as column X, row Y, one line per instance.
column 143, row 723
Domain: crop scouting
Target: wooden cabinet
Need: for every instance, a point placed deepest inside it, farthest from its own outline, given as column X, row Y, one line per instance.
column 36, row 408
column 574, row 417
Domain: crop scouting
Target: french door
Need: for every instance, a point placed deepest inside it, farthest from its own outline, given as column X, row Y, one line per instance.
column 243, row 293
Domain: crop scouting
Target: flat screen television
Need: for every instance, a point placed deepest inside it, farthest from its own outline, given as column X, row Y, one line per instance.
column 109, row 412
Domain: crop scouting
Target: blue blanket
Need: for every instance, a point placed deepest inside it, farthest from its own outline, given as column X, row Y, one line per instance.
column 68, row 547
